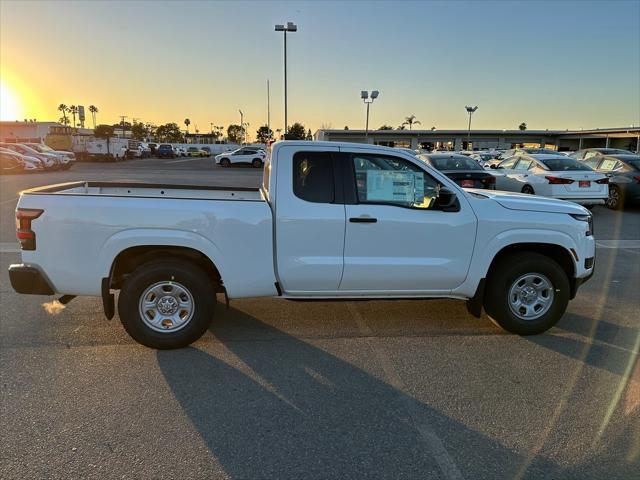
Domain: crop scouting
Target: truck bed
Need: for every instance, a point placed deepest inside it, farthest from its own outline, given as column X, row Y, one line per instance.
column 149, row 190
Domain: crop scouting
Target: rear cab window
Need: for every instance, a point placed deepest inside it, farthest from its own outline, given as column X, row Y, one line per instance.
column 313, row 177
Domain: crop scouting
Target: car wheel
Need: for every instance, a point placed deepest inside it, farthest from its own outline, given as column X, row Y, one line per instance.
column 527, row 293
column 257, row 163
column 225, row 162
column 528, row 189
column 615, row 200
column 167, row 304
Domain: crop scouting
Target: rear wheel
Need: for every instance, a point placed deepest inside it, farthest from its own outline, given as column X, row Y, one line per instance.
column 528, row 189
column 166, row 304
column 615, row 200
column 527, row 293
column 257, row 163
column 225, row 162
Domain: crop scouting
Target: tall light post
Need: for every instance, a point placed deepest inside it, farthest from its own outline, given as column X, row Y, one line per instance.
column 368, row 100
column 289, row 27
column 242, row 124
column 470, row 111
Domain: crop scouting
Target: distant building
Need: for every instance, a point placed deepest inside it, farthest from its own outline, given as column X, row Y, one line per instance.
column 627, row 138
column 36, row 131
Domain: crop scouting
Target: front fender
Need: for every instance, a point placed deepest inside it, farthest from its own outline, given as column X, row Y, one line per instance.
column 483, row 256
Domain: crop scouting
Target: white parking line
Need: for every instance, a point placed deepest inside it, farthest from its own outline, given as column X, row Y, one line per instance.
column 618, row 243
column 180, row 161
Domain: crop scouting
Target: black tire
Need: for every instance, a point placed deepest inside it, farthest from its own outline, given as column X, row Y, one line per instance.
column 505, row 274
column 256, row 163
column 615, row 200
column 528, row 189
column 225, row 162
column 189, row 277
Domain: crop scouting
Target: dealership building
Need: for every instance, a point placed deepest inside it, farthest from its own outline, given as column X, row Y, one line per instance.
column 625, row 138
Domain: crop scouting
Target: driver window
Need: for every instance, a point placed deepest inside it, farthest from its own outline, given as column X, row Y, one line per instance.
column 608, row 164
column 391, row 180
column 523, row 165
column 508, row 164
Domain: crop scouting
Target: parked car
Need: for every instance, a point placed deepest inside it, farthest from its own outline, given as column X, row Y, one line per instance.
column 165, row 151
column 145, row 150
column 196, row 152
column 49, row 161
column 528, row 151
column 592, row 152
column 624, row 177
column 153, row 147
column 206, row 150
column 331, row 221
column 252, row 155
column 181, row 152
column 10, row 163
column 67, row 159
column 30, row 164
column 555, row 176
column 482, row 157
column 461, row 169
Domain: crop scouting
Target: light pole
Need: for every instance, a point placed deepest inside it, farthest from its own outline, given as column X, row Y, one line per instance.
column 289, row 27
column 470, row 111
column 242, row 125
column 364, row 95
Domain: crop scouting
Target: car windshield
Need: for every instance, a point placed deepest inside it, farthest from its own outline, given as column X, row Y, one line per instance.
column 458, row 162
column 563, row 164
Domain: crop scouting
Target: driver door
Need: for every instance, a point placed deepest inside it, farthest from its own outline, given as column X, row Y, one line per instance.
column 397, row 241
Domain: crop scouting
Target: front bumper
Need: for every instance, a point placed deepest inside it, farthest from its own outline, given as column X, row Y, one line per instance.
column 29, row 280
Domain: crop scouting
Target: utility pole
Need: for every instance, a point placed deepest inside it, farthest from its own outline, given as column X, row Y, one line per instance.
column 122, row 119
column 289, row 27
column 242, row 125
column 268, row 112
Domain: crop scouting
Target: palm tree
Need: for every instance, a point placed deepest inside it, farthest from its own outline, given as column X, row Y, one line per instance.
column 73, row 110
column 522, row 126
column 93, row 109
column 64, row 109
column 187, row 122
column 411, row 121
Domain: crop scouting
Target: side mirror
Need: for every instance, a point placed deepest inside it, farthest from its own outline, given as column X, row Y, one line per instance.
column 447, row 200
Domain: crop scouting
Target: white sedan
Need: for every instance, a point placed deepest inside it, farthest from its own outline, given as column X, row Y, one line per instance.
column 552, row 176
column 254, row 156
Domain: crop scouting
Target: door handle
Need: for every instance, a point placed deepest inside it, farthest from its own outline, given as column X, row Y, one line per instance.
column 363, row 220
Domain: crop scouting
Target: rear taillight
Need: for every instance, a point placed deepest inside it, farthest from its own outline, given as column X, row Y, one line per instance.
column 558, row 180
column 603, row 181
column 637, row 178
column 26, row 236
column 489, row 180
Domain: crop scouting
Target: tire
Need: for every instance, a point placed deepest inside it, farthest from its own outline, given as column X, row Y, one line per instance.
column 256, row 163
column 178, row 280
column 225, row 162
column 540, row 274
column 528, row 189
column 615, row 200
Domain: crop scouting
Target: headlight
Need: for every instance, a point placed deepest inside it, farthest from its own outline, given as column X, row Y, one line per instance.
column 585, row 218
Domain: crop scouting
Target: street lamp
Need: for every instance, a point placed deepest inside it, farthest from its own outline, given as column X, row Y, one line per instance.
column 242, row 124
column 289, row 27
column 470, row 111
column 364, row 95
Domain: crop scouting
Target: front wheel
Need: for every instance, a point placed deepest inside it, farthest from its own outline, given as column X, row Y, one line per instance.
column 257, row 163
column 167, row 304
column 527, row 293
column 225, row 162
column 528, row 189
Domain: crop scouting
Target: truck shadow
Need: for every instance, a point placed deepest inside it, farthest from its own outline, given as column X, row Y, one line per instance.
column 290, row 409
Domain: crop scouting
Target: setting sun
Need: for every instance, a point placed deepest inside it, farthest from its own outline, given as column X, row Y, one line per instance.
column 9, row 107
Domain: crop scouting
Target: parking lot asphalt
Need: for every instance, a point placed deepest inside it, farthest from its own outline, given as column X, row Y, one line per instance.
column 277, row 389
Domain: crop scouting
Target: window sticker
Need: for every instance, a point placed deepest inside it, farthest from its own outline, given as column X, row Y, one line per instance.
column 395, row 186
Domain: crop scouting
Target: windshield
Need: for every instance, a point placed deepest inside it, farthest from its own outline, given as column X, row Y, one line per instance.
column 455, row 163
column 563, row 164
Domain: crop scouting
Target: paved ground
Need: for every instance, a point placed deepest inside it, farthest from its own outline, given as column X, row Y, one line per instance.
column 280, row 389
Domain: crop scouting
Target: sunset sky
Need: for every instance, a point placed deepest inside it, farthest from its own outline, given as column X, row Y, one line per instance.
column 552, row 65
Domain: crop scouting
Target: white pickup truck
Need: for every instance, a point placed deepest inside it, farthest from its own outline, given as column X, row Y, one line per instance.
column 331, row 221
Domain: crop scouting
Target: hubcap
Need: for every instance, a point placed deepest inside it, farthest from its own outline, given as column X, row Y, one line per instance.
column 531, row 296
column 166, row 306
column 613, row 197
